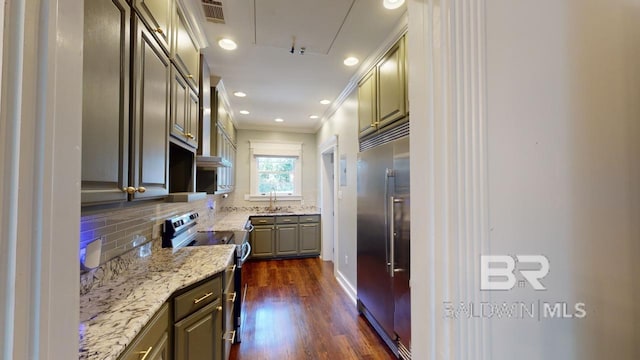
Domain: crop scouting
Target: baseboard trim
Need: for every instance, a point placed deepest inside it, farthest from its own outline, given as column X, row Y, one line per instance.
column 346, row 286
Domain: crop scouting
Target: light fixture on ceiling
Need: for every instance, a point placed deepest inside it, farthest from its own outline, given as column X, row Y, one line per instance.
column 239, row 94
column 244, row 112
column 325, row 102
column 278, row 120
column 351, row 61
column 392, row 4
column 227, row 44
column 313, row 117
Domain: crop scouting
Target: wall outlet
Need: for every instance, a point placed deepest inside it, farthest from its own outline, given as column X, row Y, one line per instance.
column 157, row 231
column 346, row 260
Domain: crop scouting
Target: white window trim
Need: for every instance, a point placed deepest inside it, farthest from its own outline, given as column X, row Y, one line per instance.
column 274, row 148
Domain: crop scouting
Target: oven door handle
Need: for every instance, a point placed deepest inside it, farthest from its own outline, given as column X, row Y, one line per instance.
column 246, row 254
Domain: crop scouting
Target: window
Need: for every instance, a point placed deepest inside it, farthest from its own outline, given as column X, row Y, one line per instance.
column 275, row 166
column 276, row 173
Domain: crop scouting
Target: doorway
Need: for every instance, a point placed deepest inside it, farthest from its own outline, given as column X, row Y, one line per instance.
column 328, row 197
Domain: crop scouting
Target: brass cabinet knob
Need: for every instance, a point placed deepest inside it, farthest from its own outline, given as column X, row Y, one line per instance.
column 159, row 31
column 129, row 190
column 142, row 189
column 190, row 76
column 219, row 308
column 373, row 125
column 189, row 135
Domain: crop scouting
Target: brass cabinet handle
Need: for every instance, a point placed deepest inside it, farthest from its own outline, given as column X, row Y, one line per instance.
column 145, row 353
column 189, row 76
column 132, row 190
column 219, row 308
column 195, row 301
column 373, row 125
column 159, row 31
column 232, row 297
column 189, row 135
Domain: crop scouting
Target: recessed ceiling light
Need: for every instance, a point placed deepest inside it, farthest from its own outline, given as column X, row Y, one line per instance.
column 278, row 120
column 313, row 117
column 227, row 44
column 244, row 112
column 239, row 94
column 392, row 4
column 350, row 61
column 325, row 102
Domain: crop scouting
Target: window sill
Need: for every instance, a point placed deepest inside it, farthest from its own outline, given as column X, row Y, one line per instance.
column 250, row 197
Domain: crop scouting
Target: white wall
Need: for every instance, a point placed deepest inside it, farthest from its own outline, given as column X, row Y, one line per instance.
column 344, row 124
column 243, row 167
column 529, row 114
column 564, row 151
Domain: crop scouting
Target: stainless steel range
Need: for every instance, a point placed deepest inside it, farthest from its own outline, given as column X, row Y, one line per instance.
column 180, row 231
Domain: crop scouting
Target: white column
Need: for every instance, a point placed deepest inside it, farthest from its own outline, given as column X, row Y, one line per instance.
column 448, row 173
column 41, row 122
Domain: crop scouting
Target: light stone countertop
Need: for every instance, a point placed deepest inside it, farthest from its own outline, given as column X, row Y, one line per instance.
column 112, row 314
column 235, row 220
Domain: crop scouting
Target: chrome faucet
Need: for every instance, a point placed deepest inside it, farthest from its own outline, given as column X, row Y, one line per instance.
column 272, row 200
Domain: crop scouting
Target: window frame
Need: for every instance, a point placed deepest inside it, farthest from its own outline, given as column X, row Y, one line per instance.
column 259, row 148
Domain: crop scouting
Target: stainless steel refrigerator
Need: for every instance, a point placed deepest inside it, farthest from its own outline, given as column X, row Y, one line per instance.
column 384, row 242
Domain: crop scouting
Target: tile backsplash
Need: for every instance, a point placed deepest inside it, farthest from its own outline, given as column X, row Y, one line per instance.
column 120, row 228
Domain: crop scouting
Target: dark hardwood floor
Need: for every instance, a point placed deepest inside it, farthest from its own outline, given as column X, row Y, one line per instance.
column 295, row 309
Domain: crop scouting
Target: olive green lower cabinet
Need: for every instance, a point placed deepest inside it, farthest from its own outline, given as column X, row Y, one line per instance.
column 201, row 327
column 153, row 342
column 285, row 236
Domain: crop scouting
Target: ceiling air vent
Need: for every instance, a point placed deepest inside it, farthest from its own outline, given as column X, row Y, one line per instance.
column 213, row 11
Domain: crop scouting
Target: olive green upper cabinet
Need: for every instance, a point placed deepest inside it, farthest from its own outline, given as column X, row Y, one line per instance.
column 105, row 101
column 367, row 104
column 391, row 86
column 382, row 93
column 184, row 110
column 186, row 53
column 156, row 14
column 151, row 116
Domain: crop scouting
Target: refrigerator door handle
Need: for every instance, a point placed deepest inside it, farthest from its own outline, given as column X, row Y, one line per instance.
column 387, row 174
column 392, row 235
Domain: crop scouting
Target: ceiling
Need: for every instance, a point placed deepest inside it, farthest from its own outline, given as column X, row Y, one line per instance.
column 289, row 86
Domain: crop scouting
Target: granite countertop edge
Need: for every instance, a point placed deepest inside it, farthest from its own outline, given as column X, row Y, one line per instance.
column 111, row 315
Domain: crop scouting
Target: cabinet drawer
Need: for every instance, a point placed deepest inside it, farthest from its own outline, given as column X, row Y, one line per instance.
column 286, row 220
column 309, row 218
column 262, row 220
column 197, row 298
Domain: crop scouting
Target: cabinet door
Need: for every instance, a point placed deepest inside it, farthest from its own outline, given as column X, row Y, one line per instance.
column 198, row 336
column 186, row 53
column 286, row 240
column 310, row 238
column 391, row 86
column 156, row 14
column 179, row 105
column 161, row 350
column 105, row 101
column 192, row 132
column 262, row 242
column 153, row 341
column 367, row 104
column 151, row 116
